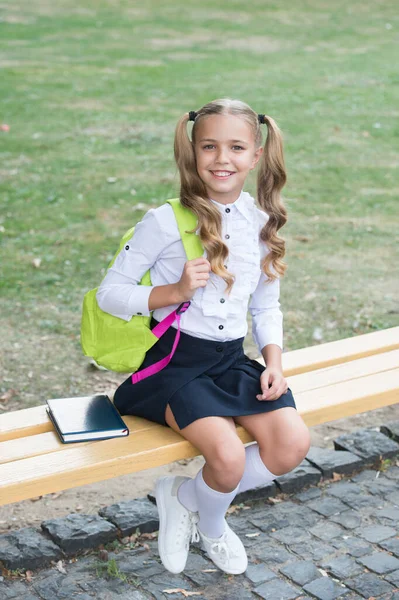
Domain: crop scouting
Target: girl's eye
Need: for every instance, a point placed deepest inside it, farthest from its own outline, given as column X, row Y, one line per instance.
column 238, row 148
column 209, row 147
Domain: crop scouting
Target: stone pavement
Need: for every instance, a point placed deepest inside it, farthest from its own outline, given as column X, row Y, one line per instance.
column 337, row 539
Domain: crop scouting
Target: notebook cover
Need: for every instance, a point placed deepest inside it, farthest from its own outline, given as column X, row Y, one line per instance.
column 86, row 414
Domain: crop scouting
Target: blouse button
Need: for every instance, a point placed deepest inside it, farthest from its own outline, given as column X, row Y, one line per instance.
column 227, row 210
column 222, row 300
column 227, row 236
column 126, row 247
column 221, row 327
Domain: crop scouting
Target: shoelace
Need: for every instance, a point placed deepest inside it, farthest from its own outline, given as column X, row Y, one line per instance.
column 221, row 546
column 194, row 533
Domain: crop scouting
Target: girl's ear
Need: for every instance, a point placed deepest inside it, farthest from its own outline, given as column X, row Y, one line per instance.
column 257, row 156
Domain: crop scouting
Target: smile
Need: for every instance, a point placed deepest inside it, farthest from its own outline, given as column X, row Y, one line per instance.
column 222, row 174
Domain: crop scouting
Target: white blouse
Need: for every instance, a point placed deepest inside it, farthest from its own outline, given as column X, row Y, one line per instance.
column 213, row 314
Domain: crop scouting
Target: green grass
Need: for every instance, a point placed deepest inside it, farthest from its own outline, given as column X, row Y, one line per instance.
column 93, row 92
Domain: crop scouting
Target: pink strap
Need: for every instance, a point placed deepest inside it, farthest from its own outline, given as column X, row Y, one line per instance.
column 158, row 331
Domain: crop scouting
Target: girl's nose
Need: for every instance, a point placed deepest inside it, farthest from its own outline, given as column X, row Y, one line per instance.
column 222, row 156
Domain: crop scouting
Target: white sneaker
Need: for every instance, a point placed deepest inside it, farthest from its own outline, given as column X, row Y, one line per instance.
column 177, row 524
column 227, row 551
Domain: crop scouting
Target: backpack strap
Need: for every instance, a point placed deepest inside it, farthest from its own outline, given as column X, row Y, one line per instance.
column 186, row 222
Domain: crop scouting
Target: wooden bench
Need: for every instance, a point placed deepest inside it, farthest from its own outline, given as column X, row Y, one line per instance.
column 329, row 381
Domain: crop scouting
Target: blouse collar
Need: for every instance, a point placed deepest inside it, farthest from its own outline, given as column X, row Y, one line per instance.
column 244, row 204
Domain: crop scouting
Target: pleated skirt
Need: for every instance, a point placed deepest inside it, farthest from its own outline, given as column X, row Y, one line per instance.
column 204, row 378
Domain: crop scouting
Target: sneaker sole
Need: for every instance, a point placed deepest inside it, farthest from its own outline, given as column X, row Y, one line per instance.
column 159, row 496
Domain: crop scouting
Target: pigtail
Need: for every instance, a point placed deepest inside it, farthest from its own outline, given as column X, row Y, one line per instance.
column 193, row 195
column 271, row 179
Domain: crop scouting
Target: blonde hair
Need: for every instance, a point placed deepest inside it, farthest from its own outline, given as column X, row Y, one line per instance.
column 271, row 179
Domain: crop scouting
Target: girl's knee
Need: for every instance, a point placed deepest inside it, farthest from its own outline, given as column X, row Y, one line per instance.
column 287, row 454
column 227, row 462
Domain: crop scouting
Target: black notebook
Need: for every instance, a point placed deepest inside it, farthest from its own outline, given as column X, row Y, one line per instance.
column 86, row 418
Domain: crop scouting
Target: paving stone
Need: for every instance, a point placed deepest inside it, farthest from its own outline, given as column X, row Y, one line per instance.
column 301, row 571
column 327, row 506
column 291, row 535
column 394, row 578
column 260, row 493
column 369, row 444
column 270, row 552
column 381, row 486
column 342, row 567
column 393, row 497
column 28, row 549
column 393, row 596
column 391, row 430
column 388, row 515
column 392, row 545
column 352, row 545
column 214, row 577
column 325, row 589
column 167, row 581
column 16, row 590
column 254, row 540
column 56, row 586
column 259, row 573
column 304, row 474
column 392, row 473
column 311, row 494
column 130, row 516
column 277, row 589
column 343, row 489
column 330, row 461
column 327, row 531
column 364, row 475
column 138, row 563
column 369, row 585
column 380, row 562
column 376, row 533
column 76, row 532
column 312, row 549
column 284, row 515
column 227, row 589
column 350, row 519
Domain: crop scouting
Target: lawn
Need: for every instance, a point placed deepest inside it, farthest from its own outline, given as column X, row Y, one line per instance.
column 91, row 93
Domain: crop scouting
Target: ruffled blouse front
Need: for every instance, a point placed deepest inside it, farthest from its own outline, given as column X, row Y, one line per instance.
column 213, row 314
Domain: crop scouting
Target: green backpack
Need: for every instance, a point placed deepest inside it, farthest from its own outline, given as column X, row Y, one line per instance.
column 120, row 345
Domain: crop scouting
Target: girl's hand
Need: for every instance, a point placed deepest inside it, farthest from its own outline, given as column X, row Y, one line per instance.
column 279, row 385
column 195, row 275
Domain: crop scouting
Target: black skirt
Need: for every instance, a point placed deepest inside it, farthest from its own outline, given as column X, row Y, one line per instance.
column 204, row 379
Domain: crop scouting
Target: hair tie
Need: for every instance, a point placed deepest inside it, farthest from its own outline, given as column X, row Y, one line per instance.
column 261, row 119
column 191, row 115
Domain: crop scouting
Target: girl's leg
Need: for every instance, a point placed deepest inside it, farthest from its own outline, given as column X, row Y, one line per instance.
column 210, row 493
column 215, row 486
column 283, row 441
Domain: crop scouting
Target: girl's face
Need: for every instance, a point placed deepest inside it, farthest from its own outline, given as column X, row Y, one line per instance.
column 225, row 152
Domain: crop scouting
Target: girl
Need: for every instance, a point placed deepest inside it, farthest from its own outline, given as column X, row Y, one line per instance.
column 210, row 385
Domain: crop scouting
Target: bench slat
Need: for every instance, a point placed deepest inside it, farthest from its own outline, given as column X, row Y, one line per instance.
column 81, row 464
column 340, row 351
column 348, row 398
column 33, row 421
column 93, row 462
column 346, row 372
column 43, row 443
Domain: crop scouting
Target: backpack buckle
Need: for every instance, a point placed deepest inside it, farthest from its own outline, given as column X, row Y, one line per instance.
column 182, row 308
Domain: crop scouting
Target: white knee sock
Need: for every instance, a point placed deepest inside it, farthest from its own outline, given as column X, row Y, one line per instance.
column 212, row 505
column 187, row 495
column 256, row 473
